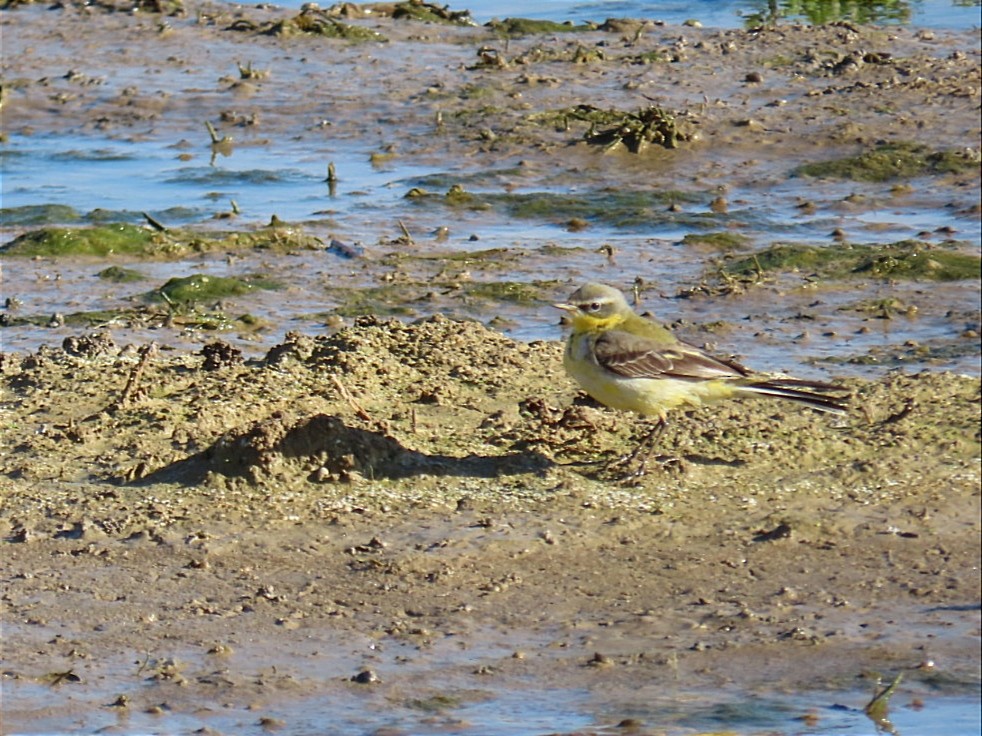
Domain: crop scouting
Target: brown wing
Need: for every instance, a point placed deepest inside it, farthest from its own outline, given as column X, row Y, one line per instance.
column 640, row 357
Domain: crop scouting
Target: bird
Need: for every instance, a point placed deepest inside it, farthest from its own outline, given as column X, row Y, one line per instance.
column 628, row 362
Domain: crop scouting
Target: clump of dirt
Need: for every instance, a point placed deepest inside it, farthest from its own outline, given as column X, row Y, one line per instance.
column 278, row 446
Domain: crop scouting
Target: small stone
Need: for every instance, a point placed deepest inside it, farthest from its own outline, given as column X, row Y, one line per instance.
column 365, row 677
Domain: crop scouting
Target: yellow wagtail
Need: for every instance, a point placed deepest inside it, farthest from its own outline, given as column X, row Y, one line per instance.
column 628, row 362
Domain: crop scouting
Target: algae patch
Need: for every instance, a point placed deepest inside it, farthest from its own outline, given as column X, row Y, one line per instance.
column 136, row 240
column 311, row 21
column 719, row 240
column 907, row 259
column 38, row 214
column 409, row 299
column 635, row 131
column 198, row 288
column 612, row 129
column 616, row 208
column 894, row 161
column 103, row 240
column 529, row 27
column 432, row 13
column 120, row 275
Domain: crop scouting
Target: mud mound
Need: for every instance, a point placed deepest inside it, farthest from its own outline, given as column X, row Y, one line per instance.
column 320, row 447
column 424, row 355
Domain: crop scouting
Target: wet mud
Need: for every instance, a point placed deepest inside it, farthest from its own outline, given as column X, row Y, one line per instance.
column 410, row 515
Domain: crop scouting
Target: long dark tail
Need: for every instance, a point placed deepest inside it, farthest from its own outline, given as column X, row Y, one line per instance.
column 821, row 396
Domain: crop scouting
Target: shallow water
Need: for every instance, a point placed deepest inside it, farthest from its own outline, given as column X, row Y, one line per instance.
column 723, row 13
column 448, row 687
column 531, row 713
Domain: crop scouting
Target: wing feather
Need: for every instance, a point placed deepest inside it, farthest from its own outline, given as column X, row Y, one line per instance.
column 633, row 356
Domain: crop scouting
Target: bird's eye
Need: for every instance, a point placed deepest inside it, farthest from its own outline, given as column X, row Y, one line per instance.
column 594, row 307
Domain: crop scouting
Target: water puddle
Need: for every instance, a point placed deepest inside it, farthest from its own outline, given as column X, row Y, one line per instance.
column 495, row 682
column 181, row 184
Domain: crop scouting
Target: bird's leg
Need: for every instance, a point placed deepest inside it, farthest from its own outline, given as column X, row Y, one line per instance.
column 644, row 449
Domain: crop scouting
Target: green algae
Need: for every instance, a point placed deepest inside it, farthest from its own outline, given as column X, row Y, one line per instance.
column 100, row 215
column 882, row 308
column 139, row 317
column 909, row 262
column 616, row 208
column 311, row 21
column 718, row 240
column 431, row 13
column 410, row 299
column 93, row 318
column 38, row 214
column 893, row 161
column 637, row 130
column 390, row 300
column 199, row 287
column 908, row 259
column 136, row 240
column 120, row 275
column 512, row 292
column 103, row 240
column 529, row 27
column 487, row 258
column 560, row 118
column 910, row 353
column 634, row 130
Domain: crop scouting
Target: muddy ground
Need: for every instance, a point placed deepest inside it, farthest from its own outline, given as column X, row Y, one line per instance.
column 183, row 528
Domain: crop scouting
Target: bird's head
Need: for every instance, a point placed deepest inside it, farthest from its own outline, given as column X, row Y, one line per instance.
column 596, row 307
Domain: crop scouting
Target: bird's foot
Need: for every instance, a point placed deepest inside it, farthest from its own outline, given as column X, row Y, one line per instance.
column 630, row 473
column 636, row 462
column 627, row 469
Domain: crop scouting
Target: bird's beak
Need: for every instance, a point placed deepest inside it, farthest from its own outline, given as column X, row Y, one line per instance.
column 565, row 307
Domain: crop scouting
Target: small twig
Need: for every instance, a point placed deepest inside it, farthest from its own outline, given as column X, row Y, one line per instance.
column 405, row 233
column 758, row 270
column 362, row 414
column 147, row 352
column 146, row 661
column 897, row 416
column 877, row 709
column 155, row 224
column 211, row 131
column 332, row 179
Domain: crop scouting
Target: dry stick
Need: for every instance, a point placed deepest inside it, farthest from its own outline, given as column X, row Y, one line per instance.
column 362, row 414
column 147, row 352
column 332, row 180
column 406, row 233
column 155, row 224
column 211, row 131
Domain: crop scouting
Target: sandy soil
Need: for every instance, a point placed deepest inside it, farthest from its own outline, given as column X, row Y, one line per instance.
column 414, row 485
